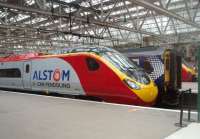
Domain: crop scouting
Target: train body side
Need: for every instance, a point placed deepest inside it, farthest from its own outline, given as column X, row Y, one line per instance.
column 71, row 75
column 41, row 74
column 55, row 75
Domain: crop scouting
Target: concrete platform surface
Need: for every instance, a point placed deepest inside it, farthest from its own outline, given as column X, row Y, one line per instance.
column 190, row 132
column 26, row 116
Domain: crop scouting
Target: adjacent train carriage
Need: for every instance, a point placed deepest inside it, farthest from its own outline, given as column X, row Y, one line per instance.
column 189, row 74
column 86, row 71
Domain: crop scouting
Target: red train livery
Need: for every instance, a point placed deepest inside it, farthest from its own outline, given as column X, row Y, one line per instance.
column 90, row 71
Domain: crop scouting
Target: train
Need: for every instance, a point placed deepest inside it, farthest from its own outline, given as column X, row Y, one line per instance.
column 189, row 73
column 94, row 71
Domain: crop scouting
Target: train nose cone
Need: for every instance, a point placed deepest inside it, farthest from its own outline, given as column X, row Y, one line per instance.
column 154, row 92
column 148, row 93
column 151, row 94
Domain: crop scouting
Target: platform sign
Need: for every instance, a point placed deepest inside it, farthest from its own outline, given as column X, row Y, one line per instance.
column 198, row 102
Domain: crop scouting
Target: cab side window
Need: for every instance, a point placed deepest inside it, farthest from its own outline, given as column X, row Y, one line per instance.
column 92, row 64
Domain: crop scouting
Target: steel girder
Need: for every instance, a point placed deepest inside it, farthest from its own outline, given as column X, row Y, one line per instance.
column 164, row 12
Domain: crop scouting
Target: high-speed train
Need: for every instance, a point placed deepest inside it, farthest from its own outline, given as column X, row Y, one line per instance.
column 84, row 71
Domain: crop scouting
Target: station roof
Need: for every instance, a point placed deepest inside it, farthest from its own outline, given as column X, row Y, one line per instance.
column 40, row 25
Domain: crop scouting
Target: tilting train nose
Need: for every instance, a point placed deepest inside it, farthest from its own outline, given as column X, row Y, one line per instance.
column 147, row 93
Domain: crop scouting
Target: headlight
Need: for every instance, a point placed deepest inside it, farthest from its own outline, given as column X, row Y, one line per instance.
column 131, row 84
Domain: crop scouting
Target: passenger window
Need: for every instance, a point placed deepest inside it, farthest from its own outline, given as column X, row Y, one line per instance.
column 147, row 67
column 10, row 73
column 27, row 68
column 92, row 64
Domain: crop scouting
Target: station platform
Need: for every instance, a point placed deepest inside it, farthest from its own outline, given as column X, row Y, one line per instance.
column 32, row 116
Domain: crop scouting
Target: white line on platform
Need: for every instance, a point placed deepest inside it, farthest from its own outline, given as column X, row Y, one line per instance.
column 105, row 103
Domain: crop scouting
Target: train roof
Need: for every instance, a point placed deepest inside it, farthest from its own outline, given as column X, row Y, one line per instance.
column 92, row 49
column 151, row 51
column 19, row 57
column 27, row 56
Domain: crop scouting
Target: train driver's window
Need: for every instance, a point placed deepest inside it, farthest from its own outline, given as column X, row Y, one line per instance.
column 92, row 64
column 27, row 68
column 147, row 67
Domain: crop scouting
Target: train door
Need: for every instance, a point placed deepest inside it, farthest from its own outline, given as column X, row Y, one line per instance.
column 27, row 75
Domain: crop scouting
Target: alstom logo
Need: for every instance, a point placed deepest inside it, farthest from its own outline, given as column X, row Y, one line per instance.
column 56, row 75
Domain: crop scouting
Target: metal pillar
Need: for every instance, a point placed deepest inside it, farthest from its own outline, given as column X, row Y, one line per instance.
column 198, row 102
